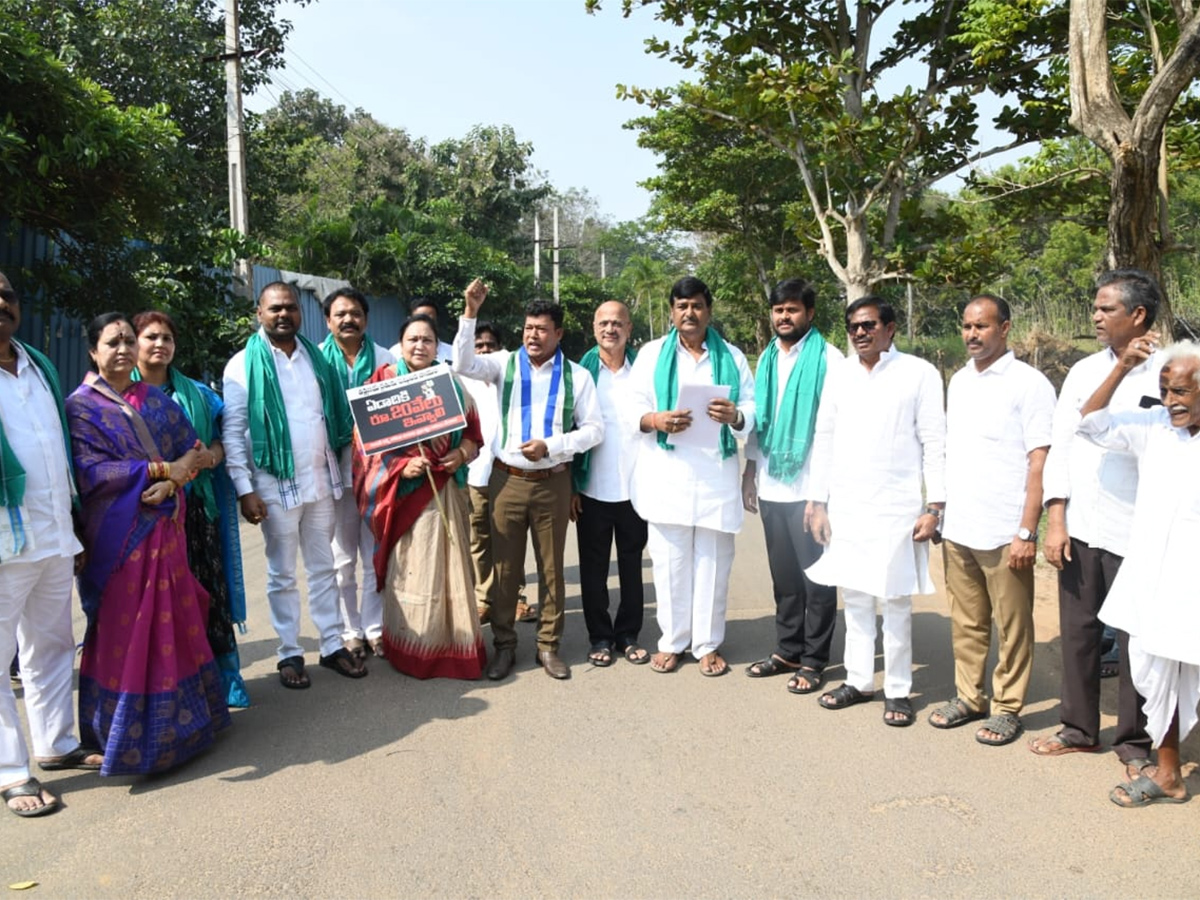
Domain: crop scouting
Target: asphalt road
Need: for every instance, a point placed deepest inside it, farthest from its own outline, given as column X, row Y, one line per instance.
column 618, row 783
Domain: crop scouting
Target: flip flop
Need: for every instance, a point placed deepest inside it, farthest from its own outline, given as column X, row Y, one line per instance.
column 664, row 663
column 712, row 665
column 73, row 760
column 31, row 788
column 296, row 664
column 1143, row 791
column 343, row 662
column 636, row 654
column 1056, row 745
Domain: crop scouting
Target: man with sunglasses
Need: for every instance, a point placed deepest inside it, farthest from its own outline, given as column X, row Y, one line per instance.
column 879, row 444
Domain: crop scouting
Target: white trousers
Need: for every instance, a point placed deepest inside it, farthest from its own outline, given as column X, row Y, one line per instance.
column 308, row 528
column 860, row 642
column 691, row 582
column 352, row 539
column 35, row 613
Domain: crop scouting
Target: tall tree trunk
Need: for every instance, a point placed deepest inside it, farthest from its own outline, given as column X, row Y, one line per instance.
column 858, row 279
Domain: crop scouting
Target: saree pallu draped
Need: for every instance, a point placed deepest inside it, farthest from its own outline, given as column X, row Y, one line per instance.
column 430, row 622
column 150, row 693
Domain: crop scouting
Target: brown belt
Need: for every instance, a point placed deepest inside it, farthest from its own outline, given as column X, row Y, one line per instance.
column 530, row 474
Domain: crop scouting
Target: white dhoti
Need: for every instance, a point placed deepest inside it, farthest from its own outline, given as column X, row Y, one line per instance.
column 860, row 642
column 35, row 609
column 1165, row 685
column 691, row 582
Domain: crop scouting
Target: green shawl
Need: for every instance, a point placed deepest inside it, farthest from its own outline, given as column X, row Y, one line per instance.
column 582, row 464
column 786, row 438
column 269, row 434
column 364, row 363
column 666, row 381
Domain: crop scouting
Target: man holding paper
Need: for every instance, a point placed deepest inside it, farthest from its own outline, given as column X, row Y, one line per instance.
column 691, row 394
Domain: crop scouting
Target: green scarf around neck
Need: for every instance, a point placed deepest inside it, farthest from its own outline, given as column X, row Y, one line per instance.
column 269, row 433
column 195, row 407
column 581, row 466
column 666, row 381
column 785, row 437
column 364, row 362
column 12, row 473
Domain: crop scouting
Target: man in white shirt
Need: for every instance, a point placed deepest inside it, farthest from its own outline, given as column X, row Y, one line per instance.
column 37, row 564
column 999, row 415
column 685, row 485
column 424, row 306
column 548, row 413
column 355, row 357
column 1153, row 596
column 1090, row 495
column 286, row 422
column 601, row 507
column 793, row 374
column 880, row 445
column 479, row 473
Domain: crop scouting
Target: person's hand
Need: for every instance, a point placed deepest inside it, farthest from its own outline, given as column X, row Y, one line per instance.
column 816, row 522
column 576, row 506
column 925, row 528
column 1138, row 350
column 1021, row 554
column 454, row 460
column 158, row 492
column 206, row 458
column 474, row 296
column 750, row 491
column 415, row 467
column 672, row 421
column 723, row 411
column 254, row 510
column 534, row 450
column 1058, row 544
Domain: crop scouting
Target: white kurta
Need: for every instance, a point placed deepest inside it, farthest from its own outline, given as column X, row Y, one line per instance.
column 880, row 435
column 688, row 486
column 1154, row 594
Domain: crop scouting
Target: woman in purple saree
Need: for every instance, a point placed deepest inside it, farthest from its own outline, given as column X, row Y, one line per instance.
column 150, row 693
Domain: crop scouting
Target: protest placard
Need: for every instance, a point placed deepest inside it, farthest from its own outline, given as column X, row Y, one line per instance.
column 403, row 410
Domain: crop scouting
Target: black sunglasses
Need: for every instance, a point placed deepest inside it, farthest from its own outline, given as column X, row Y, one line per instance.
column 867, row 326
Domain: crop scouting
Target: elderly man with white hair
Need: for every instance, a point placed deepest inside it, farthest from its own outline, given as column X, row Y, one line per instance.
column 1153, row 595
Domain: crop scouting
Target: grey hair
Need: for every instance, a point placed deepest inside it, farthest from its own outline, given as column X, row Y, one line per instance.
column 1184, row 350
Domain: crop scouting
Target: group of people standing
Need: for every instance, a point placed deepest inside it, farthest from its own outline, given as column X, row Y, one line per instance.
column 856, row 465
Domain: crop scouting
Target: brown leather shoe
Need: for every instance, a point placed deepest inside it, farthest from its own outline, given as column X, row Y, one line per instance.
column 555, row 667
column 501, row 664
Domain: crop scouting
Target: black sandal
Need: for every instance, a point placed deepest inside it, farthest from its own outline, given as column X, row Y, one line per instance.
column 601, row 655
column 772, row 665
column 31, row 788
column 842, row 696
column 296, row 664
column 635, row 653
column 343, row 662
column 813, row 678
column 76, row 759
column 901, row 709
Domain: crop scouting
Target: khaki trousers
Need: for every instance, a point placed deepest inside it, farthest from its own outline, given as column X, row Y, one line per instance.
column 984, row 591
column 521, row 507
column 481, row 542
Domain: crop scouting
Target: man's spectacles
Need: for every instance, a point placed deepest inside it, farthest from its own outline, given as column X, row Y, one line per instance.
column 8, row 295
column 867, row 326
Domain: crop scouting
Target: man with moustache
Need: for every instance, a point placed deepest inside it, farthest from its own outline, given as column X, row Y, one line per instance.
column 879, row 447
column 286, row 422
column 1090, row 493
column 355, row 357
column 793, row 374
column 999, row 415
column 38, row 550
column 548, row 414
column 684, row 487
column 1152, row 599
column 601, row 507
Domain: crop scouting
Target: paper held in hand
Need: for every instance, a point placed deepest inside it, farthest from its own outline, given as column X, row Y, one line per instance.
column 403, row 410
column 703, row 433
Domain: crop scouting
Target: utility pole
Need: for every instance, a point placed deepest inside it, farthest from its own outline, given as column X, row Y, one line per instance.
column 556, row 254
column 537, row 251
column 602, row 275
column 239, row 219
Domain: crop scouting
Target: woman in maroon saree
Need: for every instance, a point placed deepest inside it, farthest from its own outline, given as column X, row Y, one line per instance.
column 150, row 693
column 422, row 561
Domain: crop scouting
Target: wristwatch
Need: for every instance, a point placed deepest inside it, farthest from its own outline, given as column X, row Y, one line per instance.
column 1026, row 535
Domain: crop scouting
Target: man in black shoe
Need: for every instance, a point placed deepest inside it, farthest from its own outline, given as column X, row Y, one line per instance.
column 548, row 413
column 601, row 507
column 791, row 377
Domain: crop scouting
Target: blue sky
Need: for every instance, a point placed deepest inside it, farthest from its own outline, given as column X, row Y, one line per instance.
column 438, row 67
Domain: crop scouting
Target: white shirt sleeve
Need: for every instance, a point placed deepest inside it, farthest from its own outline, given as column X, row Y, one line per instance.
column 236, row 423
column 466, row 363
column 1056, row 477
column 931, row 431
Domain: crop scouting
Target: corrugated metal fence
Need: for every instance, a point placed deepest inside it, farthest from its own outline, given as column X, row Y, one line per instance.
column 63, row 338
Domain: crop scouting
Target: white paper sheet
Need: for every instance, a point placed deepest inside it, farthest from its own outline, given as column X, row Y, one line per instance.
column 704, row 433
